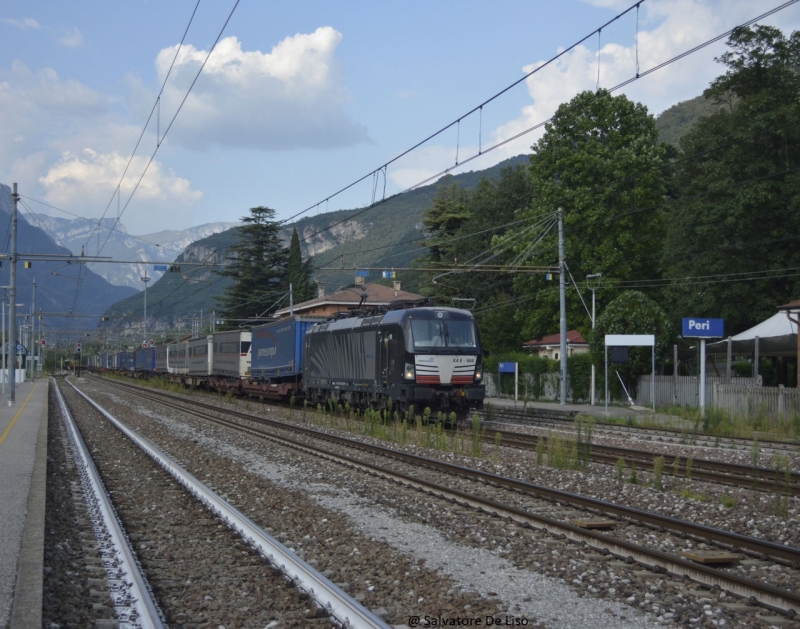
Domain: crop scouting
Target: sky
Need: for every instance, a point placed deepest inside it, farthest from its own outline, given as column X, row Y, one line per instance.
column 300, row 99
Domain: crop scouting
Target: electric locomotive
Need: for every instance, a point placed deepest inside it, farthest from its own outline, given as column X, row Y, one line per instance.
column 425, row 357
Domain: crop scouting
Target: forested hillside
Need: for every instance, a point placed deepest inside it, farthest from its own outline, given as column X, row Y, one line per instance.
column 707, row 228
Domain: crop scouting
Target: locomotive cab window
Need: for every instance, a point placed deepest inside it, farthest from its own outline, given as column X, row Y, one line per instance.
column 432, row 333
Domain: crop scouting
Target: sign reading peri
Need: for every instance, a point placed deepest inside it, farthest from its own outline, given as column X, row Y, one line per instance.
column 696, row 327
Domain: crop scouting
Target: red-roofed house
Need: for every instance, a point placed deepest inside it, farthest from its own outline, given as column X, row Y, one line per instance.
column 351, row 297
column 550, row 346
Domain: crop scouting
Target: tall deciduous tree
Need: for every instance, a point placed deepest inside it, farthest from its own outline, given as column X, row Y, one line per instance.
column 257, row 265
column 299, row 271
column 739, row 188
column 600, row 160
column 632, row 312
column 463, row 225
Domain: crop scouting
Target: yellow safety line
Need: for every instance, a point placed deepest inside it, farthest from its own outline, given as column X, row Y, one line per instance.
column 19, row 412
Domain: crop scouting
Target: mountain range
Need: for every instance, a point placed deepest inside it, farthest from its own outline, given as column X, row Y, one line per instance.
column 77, row 234
column 385, row 236
column 74, row 295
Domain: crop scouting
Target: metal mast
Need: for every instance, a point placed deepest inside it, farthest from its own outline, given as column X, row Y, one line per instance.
column 562, row 289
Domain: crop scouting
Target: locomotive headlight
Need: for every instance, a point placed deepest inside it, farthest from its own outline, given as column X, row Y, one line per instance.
column 408, row 374
column 478, row 375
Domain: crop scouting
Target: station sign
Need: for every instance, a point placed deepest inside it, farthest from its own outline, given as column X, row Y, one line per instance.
column 702, row 328
column 507, row 367
column 159, row 267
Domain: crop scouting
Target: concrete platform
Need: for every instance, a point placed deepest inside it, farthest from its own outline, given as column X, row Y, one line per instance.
column 23, row 475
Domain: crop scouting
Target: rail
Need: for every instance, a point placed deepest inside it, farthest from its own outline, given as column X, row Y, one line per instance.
column 131, row 593
column 345, row 609
column 774, row 598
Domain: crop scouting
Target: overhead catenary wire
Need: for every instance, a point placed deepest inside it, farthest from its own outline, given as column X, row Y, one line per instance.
column 524, row 132
column 156, row 104
column 477, row 108
column 169, row 126
column 97, row 222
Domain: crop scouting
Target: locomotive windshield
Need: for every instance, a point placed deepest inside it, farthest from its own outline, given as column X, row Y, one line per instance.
column 432, row 333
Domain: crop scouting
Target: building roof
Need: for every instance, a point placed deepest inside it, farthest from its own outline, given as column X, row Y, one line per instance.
column 377, row 295
column 792, row 305
column 573, row 338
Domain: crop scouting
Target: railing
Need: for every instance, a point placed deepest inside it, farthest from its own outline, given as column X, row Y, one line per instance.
column 750, row 401
column 684, row 390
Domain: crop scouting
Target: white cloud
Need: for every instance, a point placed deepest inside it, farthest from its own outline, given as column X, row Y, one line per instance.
column 72, row 39
column 667, row 28
column 88, row 179
column 291, row 97
column 22, row 24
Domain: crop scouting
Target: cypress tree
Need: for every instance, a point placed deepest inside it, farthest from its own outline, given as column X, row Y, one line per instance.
column 257, row 264
column 299, row 272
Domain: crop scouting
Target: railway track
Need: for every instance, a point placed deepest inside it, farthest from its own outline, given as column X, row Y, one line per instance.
column 344, row 610
column 555, row 419
column 132, row 597
column 784, row 600
column 762, row 478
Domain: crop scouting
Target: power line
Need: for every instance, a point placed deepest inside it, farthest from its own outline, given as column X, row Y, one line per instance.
column 169, row 126
column 98, row 223
column 477, row 108
column 526, row 131
column 156, row 104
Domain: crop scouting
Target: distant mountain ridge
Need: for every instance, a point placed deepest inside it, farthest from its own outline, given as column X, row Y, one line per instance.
column 163, row 246
column 61, row 287
column 386, row 235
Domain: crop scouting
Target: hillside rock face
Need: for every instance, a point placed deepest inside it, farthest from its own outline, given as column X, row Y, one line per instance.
column 345, row 232
column 162, row 247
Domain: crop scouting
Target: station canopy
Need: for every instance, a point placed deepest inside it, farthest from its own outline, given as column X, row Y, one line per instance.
column 777, row 336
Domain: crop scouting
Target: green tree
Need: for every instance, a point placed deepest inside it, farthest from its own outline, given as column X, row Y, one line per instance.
column 600, row 160
column 299, row 272
column 465, row 224
column 257, row 264
column 632, row 312
column 442, row 221
column 738, row 209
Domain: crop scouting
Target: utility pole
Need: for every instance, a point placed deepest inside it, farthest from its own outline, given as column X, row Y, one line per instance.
column 562, row 289
column 5, row 349
column 592, row 288
column 12, row 306
column 32, row 337
column 145, row 279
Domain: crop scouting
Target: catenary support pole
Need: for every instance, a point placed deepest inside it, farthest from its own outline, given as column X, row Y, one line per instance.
column 562, row 289
column 32, row 335
column 5, row 348
column 756, row 358
column 12, row 304
column 675, row 373
column 702, row 377
column 606, row 356
column 729, row 365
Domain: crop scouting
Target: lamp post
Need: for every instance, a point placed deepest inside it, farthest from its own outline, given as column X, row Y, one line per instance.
column 593, row 286
column 145, row 279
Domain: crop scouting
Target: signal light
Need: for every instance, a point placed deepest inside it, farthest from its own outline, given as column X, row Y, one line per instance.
column 27, row 265
column 174, row 268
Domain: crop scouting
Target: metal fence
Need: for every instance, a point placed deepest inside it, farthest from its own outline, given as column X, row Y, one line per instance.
column 541, row 387
column 684, row 390
column 754, row 401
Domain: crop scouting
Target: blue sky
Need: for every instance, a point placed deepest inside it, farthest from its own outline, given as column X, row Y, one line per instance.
column 301, row 98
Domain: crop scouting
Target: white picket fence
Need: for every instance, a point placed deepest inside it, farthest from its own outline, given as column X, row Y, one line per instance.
column 683, row 390
column 750, row 400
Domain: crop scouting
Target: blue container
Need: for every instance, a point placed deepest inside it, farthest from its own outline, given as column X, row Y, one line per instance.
column 145, row 359
column 277, row 349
